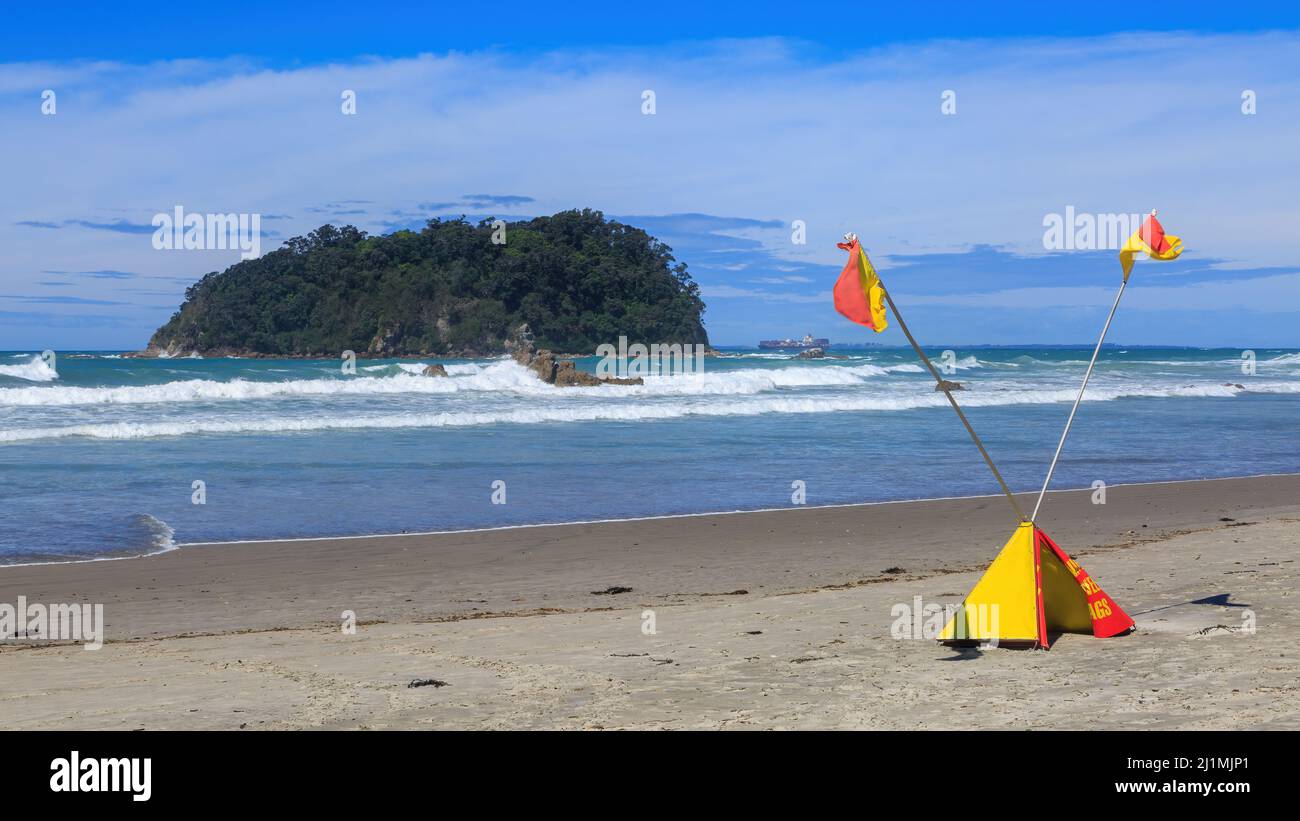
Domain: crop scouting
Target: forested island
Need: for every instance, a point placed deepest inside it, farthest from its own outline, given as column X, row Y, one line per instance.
column 567, row 282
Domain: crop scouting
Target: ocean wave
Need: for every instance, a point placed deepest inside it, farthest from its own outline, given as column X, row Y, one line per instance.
column 620, row 411
column 34, row 370
column 746, row 382
column 147, row 536
column 503, row 376
column 157, row 534
column 416, row 368
column 498, row 377
column 963, row 364
column 1025, row 359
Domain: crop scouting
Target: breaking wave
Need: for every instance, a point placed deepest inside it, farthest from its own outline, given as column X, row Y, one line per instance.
column 622, row 411
column 505, row 376
column 34, row 370
column 966, row 363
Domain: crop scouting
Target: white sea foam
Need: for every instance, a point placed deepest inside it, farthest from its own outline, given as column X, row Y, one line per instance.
column 501, row 377
column 1184, row 363
column 619, row 411
column 746, row 382
column 34, row 370
column 506, row 378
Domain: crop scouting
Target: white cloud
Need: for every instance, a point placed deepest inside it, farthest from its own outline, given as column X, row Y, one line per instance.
column 753, row 128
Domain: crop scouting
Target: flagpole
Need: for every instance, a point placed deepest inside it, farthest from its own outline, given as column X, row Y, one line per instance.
column 1086, row 376
column 943, row 386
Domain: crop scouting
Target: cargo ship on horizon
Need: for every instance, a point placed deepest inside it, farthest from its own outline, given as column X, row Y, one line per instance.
column 795, row 344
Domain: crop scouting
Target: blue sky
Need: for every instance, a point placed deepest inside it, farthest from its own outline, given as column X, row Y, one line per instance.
column 765, row 114
column 289, row 34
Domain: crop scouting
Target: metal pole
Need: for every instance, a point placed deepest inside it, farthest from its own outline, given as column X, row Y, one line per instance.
column 1088, row 374
column 1020, row 514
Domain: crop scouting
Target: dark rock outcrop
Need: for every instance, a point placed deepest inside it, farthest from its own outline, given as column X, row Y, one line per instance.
column 433, row 370
column 562, row 373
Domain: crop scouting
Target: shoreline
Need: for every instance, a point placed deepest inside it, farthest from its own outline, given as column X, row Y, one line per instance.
column 736, row 512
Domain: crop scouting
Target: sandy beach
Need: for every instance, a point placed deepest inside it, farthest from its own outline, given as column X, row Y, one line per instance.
column 774, row 619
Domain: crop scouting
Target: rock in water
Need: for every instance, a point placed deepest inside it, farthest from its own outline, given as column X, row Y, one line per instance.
column 945, row 385
column 433, row 370
column 542, row 363
column 563, row 373
column 811, row 353
column 567, row 375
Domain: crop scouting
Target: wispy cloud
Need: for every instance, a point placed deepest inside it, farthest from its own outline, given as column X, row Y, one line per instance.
column 119, row 226
column 58, row 300
column 104, row 273
column 507, row 200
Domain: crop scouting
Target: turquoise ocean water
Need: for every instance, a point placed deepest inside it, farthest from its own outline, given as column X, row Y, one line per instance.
column 99, row 455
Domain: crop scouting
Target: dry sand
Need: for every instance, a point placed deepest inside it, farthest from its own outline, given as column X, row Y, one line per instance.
column 763, row 620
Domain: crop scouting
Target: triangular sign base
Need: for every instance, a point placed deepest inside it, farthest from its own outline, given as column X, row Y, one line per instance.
column 1033, row 588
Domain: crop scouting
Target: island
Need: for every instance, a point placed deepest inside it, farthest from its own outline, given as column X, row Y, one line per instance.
column 568, row 282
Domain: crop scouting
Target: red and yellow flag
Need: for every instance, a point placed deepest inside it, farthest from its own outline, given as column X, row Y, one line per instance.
column 1152, row 240
column 859, row 296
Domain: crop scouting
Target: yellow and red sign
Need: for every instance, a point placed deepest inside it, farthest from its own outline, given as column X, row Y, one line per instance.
column 1034, row 589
